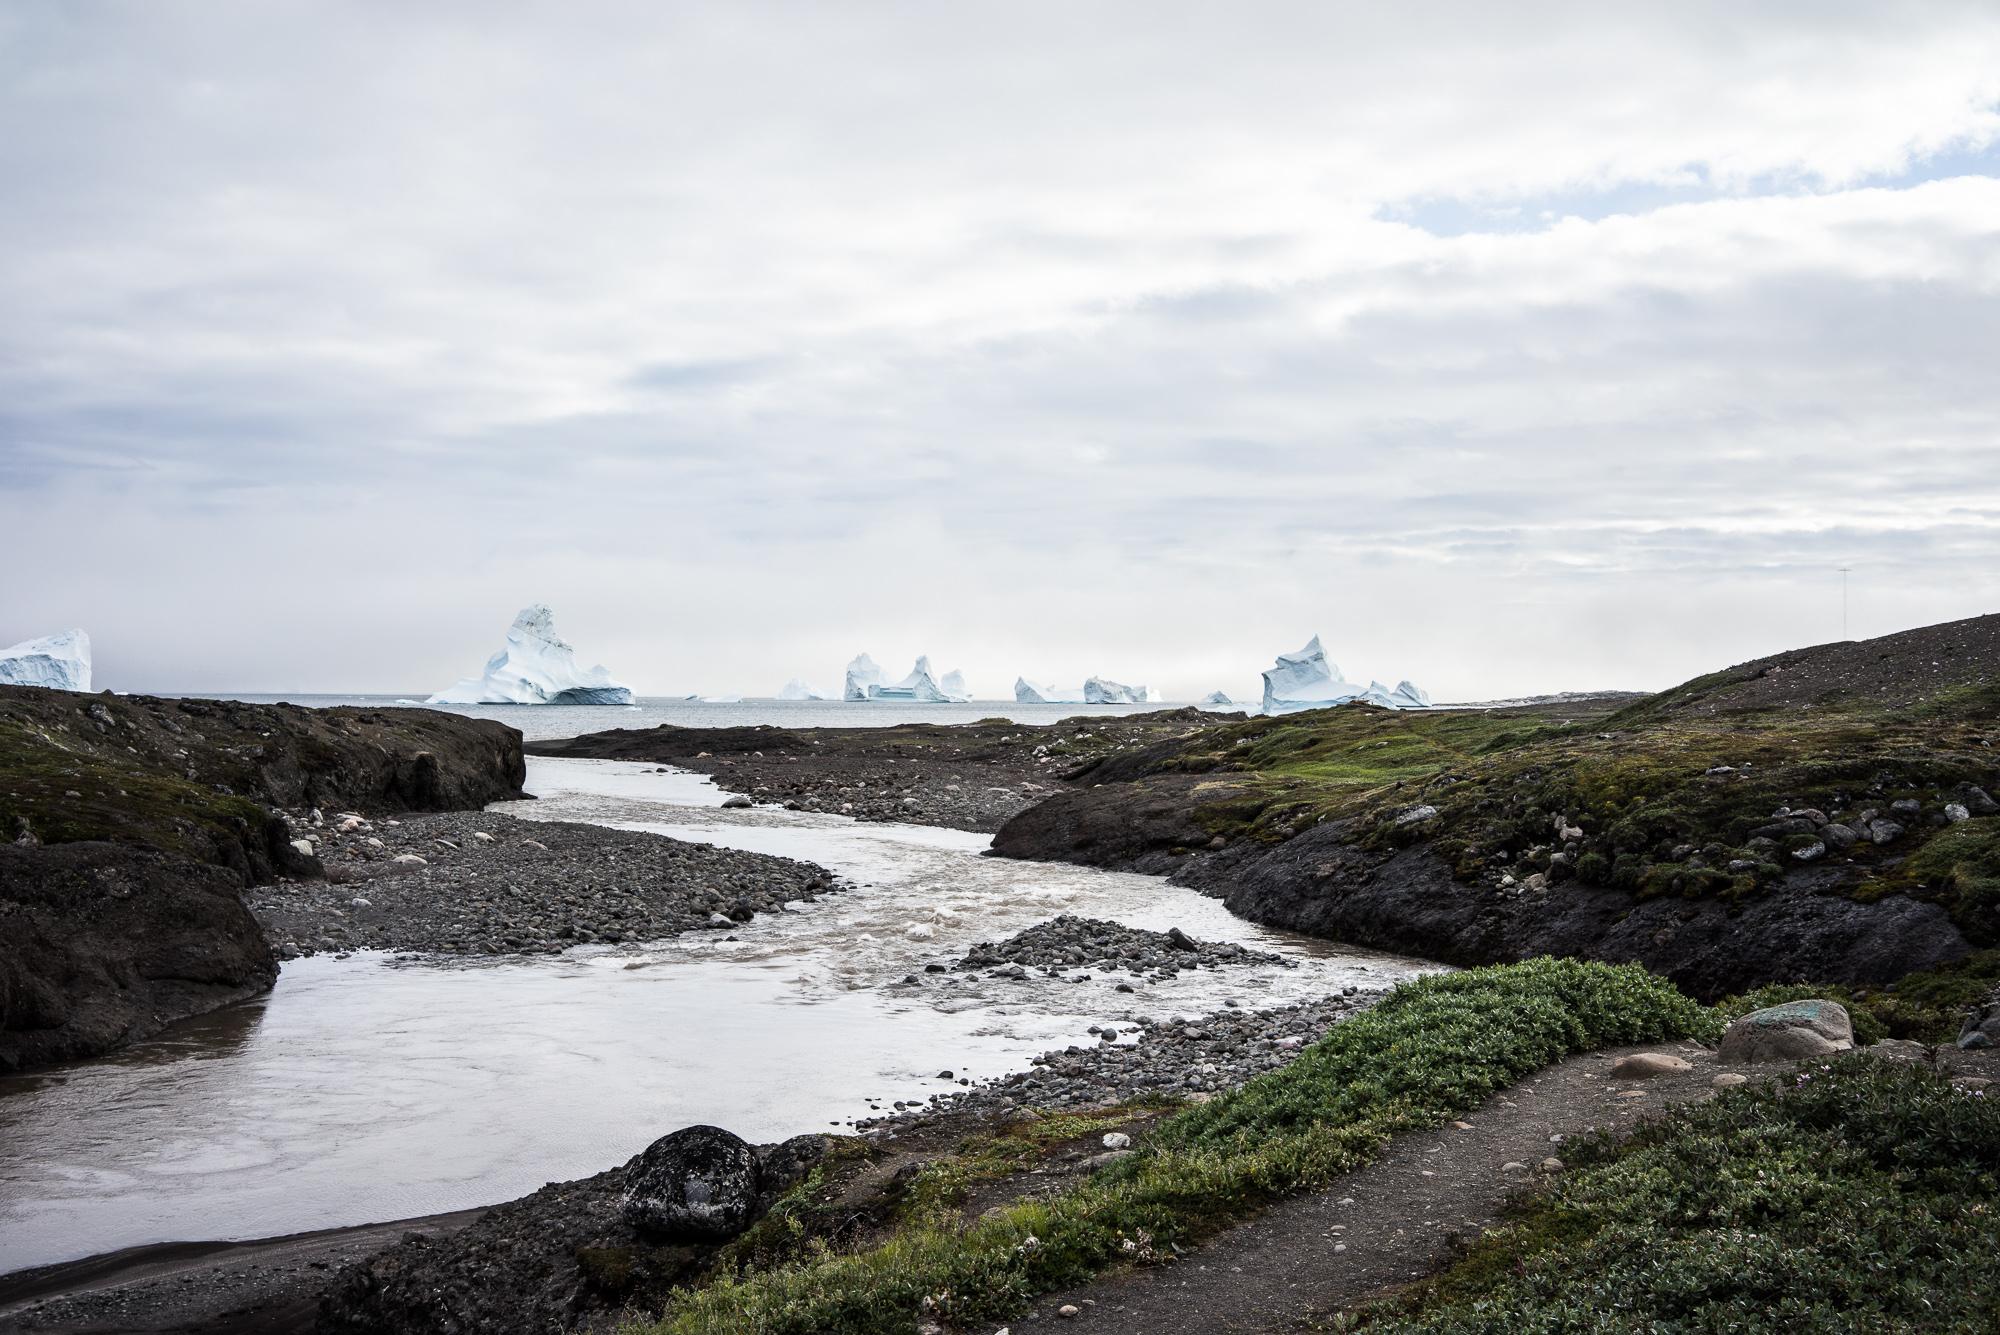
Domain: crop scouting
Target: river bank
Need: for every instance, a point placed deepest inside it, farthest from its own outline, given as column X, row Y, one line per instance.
column 277, row 1284
column 484, row 883
column 825, row 1008
column 963, row 776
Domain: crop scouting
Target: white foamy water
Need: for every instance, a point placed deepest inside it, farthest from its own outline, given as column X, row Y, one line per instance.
column 373, row 1088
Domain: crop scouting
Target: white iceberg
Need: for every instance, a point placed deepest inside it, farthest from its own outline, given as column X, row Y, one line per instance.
column 954, row 685
column 1215, row 698
column 1409, row 695
column 1028, row 693
column 1098, row 691
column 1307, row 680
column 921, row 687
column 60, row 662
column 862, row 673
column 798, row 690
column 534, row 667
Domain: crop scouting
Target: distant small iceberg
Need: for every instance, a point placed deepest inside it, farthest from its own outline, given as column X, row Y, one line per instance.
column 535, row 667
column 1215, row 698
column 798, row 690
column 1098, row 691
column 1029, row 693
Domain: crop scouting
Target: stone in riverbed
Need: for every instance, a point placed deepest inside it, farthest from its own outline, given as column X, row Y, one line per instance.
column 736, row 802
column 1791, row 1032
column 698, row 1184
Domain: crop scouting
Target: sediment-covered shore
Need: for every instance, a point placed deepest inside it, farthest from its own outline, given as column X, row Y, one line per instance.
column 483, row 883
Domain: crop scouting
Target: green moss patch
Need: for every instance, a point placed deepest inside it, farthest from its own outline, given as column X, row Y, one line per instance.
column 1858, row 1196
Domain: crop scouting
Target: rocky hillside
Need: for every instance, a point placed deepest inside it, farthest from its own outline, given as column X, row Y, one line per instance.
column 1949, row 666
column 1725, row 833
column 133, row 823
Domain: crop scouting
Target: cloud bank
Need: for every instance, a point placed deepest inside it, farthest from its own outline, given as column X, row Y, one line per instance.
column 1544, row 349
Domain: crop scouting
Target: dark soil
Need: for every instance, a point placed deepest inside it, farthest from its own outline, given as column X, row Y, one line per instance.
column 484, row 883
column 966, row 776
column 269, row 1286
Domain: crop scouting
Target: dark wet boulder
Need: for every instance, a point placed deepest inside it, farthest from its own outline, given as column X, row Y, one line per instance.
column 698, row 1184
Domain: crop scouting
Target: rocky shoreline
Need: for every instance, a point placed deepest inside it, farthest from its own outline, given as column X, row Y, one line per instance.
column 483, row 883
column 565, row 1257
column 971, row 776
column 1172, row 1059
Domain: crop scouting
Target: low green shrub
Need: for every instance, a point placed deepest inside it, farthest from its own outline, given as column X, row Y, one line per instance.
column 1858, row 1196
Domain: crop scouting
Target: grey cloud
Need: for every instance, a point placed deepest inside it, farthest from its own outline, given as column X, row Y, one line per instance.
column 737, row 332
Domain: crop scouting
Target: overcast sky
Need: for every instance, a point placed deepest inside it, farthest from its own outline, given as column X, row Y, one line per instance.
column 1509, row 350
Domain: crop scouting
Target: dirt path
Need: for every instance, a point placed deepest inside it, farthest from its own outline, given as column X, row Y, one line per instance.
column 1385, row 1225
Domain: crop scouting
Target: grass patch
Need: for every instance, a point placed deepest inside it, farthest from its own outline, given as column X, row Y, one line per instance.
column 1433, row 1048
column 1863, row 1198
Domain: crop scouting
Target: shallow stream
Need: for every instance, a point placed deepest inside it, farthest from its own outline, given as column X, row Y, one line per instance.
column 374, row 1087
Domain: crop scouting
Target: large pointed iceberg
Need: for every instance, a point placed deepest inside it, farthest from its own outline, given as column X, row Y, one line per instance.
column 921, row 687
column 1098, row 691
column 1307, row 680
column 1029, row 693
column 534, row 667
column 60, row 662
column 798, row 690
column 862, row 673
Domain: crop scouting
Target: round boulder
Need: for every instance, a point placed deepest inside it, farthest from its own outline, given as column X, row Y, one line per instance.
column 1640, row 1065
column 1791, row 1032
column 698, row 1184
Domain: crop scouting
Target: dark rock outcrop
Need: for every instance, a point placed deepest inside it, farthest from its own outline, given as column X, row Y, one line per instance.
column 564, row 1258
column 134, row 822
column 1323, row 883
column 102, row 944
